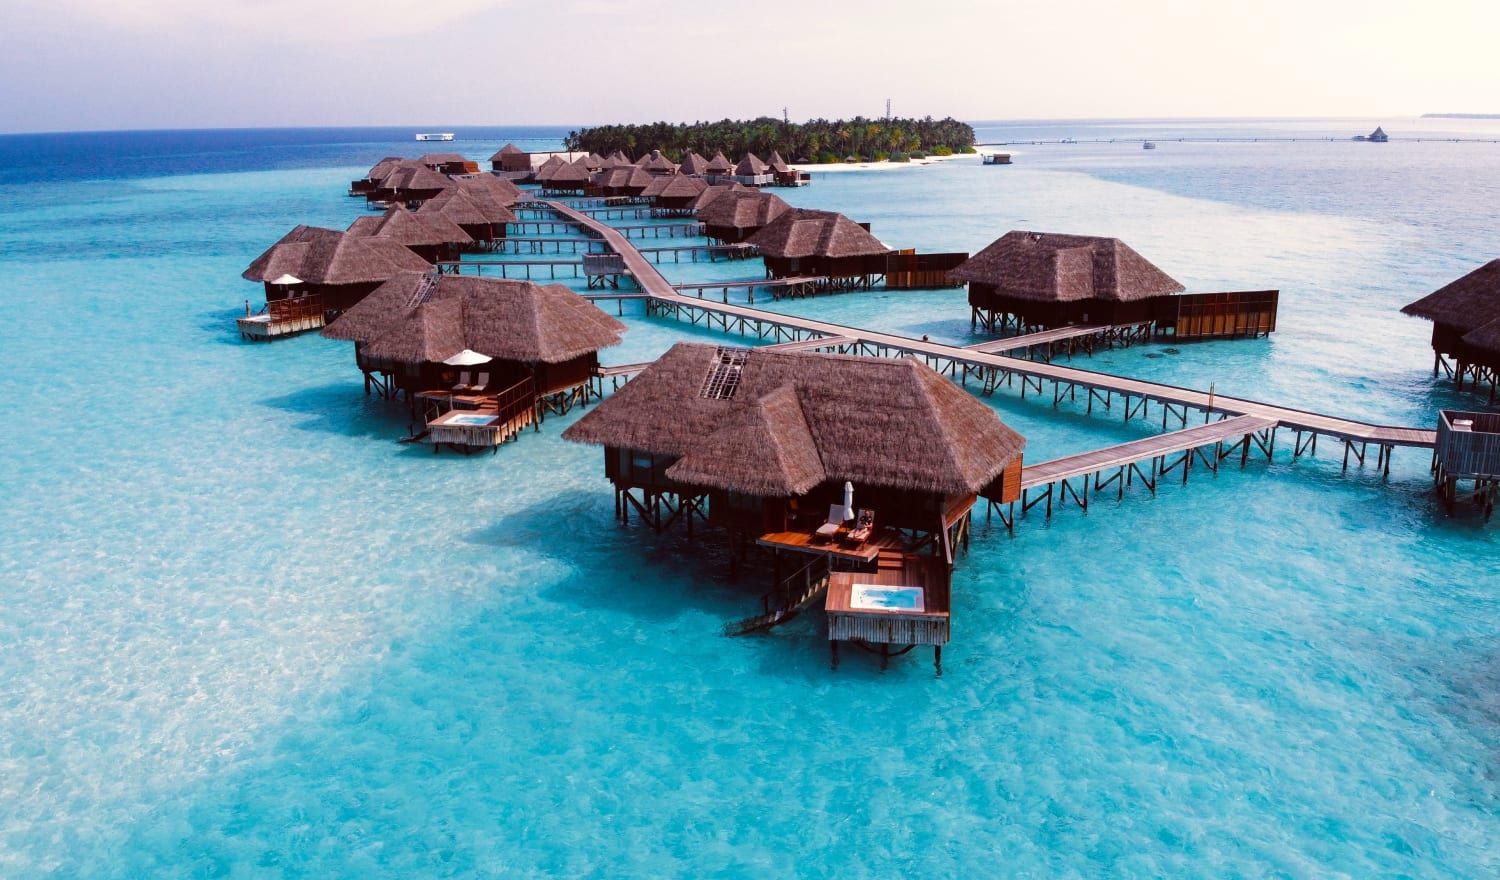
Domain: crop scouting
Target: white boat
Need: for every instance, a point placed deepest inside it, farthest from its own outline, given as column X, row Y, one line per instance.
column 435, row 136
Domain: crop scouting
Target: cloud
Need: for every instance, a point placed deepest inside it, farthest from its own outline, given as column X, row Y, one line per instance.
column 280, row 21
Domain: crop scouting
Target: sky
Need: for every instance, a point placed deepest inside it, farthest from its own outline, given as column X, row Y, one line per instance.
column 73, row 65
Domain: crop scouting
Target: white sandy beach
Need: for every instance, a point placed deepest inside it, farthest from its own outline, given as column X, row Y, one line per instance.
column 539, row 158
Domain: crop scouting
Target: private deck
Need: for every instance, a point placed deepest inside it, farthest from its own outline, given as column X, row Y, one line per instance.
column 905, row 603
column 805, row 542
column 284, row 317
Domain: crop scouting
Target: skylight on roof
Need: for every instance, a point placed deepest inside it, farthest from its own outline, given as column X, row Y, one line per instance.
column 723, row 378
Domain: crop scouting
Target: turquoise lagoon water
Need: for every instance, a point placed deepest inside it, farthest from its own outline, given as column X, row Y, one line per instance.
column 245, row 633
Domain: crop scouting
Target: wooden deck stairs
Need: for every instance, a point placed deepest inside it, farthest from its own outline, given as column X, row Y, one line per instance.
column 794, row 595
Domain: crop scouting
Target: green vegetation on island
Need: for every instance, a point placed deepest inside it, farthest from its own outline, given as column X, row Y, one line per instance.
column 818, row 140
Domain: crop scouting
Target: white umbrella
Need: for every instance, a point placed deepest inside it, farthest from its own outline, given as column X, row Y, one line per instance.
column 287, row 280
column 848, row 500
column 467, row 358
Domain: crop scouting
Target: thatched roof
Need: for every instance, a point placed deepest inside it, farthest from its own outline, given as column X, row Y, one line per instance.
column 625, row 177
column 745, row 209
column 507, row 150
column 657, row 163
column 385, row 166
column 799, row 419
column 750, row 166
column 327, row 256
column 414, row 176
column 467, row 207
column 1466, row 303
column 692, row 163
column 1054, row 267
column 432, row 159
column 778, row 164
column 801, row 232
column 545, row 170
column 416, row 230
column 574, row 172
column 719, row 165
column 618, row 158
column 674, row 186
column 1486, row 337
column 416, row 317
column 496, row 189
column 712, row 193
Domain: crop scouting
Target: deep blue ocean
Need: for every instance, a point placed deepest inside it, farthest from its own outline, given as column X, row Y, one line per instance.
column 246, row 633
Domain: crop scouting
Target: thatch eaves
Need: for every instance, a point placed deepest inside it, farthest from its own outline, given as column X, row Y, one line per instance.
column 1466, row 303
column 801, row 232
column 330, row 257
column 890, row 423
column 1056, row 267
column 742, row 209
column 417, row 317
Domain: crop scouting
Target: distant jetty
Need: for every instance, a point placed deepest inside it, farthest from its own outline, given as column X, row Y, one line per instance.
column 1461, row 115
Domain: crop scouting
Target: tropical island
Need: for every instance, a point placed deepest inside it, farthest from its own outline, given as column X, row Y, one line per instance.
column 819, row 141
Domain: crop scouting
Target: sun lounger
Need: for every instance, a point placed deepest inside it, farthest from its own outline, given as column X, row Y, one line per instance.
column 830, row 529
column 463, row 382
column 864, row 526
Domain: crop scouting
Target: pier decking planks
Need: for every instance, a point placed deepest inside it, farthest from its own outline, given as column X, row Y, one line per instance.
column 1138, row 450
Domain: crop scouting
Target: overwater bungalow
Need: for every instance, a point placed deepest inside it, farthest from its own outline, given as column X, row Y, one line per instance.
column 674, row 195
column 311, row 272
column 509, row 159
column 627, row 180
column 449, row 163
column 487, row 186
column 1045, row 280
column 367, row 184
column 824, row 244
column 549, row 167
column 656, row 164
column 783, row 174
column 410, row 184
column 482, row 218
column 617, row 159
column 693, row 164
column 718, row 167
column 1465, row 316
column 479, row 358
column 713, row 191
column 572, row 178
column 433, row 236
column 734, row 216
column 864, row 470
column 751, row 171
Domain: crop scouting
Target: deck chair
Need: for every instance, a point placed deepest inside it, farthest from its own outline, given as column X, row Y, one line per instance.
column 830, row 529
column 463, row 381
column 483, row 383
column 863, row 527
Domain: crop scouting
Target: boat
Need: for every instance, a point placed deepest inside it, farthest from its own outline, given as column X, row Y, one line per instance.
column 997, row 158
column 1148, row 145
column 435, row 136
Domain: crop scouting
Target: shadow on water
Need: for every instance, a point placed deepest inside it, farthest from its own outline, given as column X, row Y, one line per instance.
column 658, row 577
column 343, row 409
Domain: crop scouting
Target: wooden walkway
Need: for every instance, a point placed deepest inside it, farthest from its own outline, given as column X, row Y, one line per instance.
column 1111, row 457
column 1049, row 339
column 796, row 286
column 995, row 370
